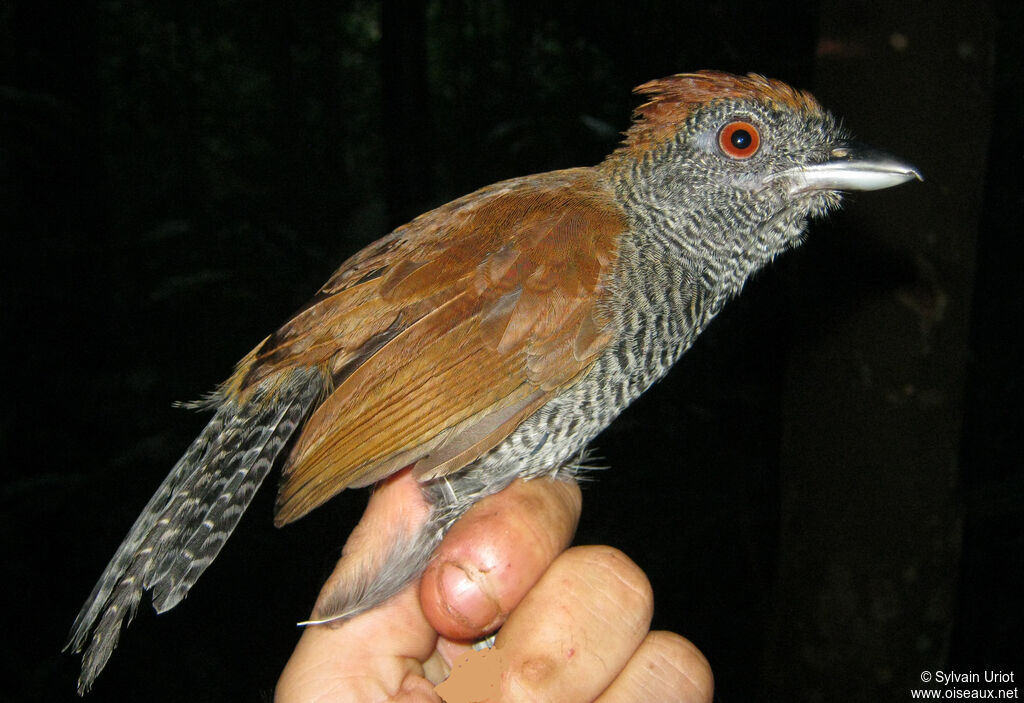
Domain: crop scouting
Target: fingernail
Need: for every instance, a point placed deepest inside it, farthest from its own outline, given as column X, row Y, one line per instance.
column 465, row 599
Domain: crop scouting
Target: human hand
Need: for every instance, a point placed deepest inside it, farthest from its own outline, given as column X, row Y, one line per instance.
column 575, row 623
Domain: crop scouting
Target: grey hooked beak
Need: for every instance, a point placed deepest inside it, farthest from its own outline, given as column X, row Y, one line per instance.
column 853, row 166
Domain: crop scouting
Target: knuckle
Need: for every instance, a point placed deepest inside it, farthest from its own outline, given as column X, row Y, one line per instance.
column 530, row 679
column 569, row 498
column 552, row 508
column 527, row 515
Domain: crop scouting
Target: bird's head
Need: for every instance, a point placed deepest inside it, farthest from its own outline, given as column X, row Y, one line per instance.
column 741, row 162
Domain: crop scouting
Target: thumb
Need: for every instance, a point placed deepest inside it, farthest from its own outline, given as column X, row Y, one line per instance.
column 382, row 648
column 396, row 511
column 495, row 553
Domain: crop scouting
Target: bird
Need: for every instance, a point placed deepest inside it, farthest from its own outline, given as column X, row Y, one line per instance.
column 492, row 338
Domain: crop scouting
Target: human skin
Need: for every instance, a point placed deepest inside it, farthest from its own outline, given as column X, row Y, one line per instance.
column 575, row 622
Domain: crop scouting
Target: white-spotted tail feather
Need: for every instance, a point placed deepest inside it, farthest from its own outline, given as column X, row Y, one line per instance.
column 193, row 512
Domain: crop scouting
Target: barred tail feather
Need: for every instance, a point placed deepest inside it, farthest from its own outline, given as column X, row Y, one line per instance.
column 129, row 554
column 209, row 526
column 193, row 512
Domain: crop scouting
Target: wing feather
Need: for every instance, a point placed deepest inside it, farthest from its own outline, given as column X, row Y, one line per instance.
column 447, row 334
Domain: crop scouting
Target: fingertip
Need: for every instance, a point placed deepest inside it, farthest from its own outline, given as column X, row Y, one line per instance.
column 465, row 593
column 677, row 653
column 619, row 580
column 665, row 667
column 495, row 554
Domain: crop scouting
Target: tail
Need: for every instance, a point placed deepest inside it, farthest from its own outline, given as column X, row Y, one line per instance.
column 183, row 527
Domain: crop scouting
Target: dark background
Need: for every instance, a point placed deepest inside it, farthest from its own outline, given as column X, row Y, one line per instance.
column 826, row 493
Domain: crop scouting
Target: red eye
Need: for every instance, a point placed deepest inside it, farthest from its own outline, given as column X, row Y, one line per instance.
column 740, row 140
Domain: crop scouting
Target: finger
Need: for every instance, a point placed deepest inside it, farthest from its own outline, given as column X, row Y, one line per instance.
column 378, row 652
column 495, row 553
column 666, row 668
column 577, row 628
column 373, row 656
column 395, row 511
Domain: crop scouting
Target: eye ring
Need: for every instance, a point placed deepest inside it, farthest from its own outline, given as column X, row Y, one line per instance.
column 739, row 140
